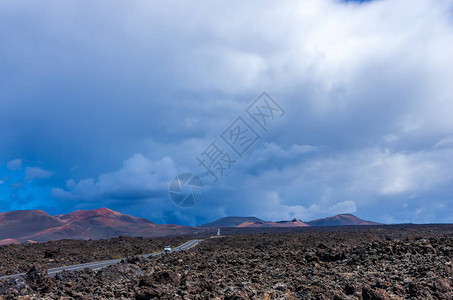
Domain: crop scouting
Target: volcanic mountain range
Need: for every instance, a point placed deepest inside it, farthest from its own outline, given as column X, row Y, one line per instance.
column 37, row 226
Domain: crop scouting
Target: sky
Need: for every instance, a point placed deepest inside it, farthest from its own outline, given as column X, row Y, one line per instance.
column 103, row 103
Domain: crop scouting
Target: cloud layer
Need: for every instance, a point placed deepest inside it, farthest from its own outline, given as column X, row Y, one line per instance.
column 105, row 104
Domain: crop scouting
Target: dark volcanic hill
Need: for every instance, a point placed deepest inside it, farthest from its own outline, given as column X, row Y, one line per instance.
column 92, row 224
column 27, row 226
column 231, row 221
column 256, row 224
column 253, row 222
column 16, row 224
column 104, row 216
column 102, row 223
column 339, row 220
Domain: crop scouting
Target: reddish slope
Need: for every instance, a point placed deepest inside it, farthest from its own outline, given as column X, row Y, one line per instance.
column 292, row 223
column 104, row 223
column 104, row 215
column 340, row 220
column 8, row 242
column 99, row 223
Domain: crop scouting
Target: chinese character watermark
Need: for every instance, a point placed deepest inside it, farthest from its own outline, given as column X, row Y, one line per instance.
column 186, row 190
column 215, row 160
column 264, row 109
column 240, row 136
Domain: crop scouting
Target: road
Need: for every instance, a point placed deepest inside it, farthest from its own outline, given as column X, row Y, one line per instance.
column 101, row 264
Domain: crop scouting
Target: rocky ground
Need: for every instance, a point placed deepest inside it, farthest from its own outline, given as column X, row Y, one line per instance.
column 20, row 258
column 396, row 262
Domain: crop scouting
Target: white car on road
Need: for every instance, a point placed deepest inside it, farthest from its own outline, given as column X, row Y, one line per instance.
column 167, row 249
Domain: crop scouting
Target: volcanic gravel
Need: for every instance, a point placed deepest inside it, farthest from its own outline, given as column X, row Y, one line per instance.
column 392, row 262
column 20, row 258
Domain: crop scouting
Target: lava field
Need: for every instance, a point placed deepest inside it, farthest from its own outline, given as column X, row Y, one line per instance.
column 379, row 262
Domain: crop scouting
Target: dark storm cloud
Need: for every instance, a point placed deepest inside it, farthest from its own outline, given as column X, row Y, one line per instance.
column 114, row 100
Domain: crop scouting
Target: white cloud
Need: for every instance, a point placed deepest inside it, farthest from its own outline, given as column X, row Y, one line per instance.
column 36, row 173
column 139, row 178
column 14, row 165
column 346, row 182
column 272, row 207
column 343, row 207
